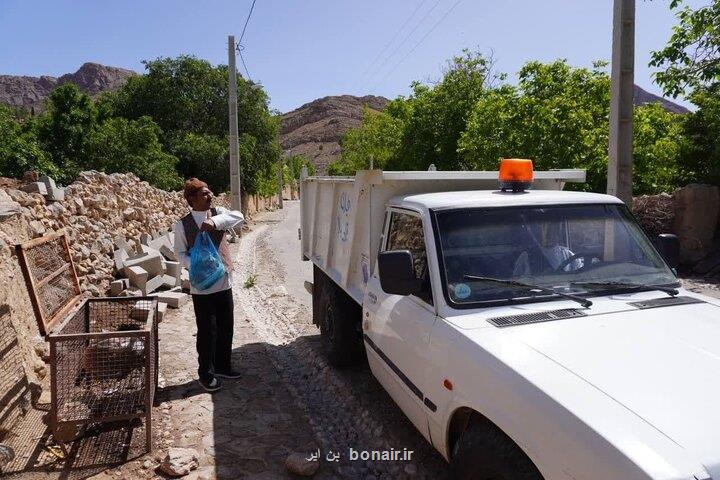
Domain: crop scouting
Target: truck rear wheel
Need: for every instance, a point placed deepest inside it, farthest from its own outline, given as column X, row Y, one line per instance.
column 484, row 452
column 338, row 317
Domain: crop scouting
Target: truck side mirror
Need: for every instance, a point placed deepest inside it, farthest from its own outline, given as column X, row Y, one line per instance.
column 397, row 274
column 669, row 247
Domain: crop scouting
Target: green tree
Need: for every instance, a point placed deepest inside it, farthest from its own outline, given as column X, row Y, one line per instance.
column 19, row 149
column 557, row 116
column 691, row 57
column 121, row 145
column 379, row 138
column 658, row 140
column 701, row 157
column 186, row 95
column 202, row 155
column 63, row 130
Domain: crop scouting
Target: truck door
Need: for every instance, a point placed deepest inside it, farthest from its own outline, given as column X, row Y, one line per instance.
column 396, row 329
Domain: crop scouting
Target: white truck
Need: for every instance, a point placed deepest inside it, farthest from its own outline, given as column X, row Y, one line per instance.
column 527, row 334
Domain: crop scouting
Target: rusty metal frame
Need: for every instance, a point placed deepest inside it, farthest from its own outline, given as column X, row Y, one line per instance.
column 46, row 325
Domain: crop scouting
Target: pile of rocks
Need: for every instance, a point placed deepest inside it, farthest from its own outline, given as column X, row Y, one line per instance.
column 95, row 210
column 148, row 267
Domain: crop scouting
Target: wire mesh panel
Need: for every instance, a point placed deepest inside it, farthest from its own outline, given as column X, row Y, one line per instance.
column 50, row 276
column 107, row 371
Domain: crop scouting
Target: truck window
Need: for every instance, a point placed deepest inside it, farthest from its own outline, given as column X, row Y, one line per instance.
column 406, row 233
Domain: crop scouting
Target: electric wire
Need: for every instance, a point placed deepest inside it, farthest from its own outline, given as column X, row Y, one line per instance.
column 387, row 45
column 242, row 59
column 404, row 40
column 397, row 64
column 246, row 21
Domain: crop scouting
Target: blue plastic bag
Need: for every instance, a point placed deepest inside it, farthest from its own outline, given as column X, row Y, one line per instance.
column 206, row 266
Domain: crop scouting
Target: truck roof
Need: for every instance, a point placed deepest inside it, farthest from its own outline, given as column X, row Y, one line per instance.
column 496, row 198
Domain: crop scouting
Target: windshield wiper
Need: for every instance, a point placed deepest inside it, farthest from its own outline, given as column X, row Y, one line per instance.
column 582, row 301
column 629, row 285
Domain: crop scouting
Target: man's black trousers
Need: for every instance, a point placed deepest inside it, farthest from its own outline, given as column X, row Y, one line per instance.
column 215, row 324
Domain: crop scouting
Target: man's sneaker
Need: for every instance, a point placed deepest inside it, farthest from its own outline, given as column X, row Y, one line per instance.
column 210, row 385
column 228, row 374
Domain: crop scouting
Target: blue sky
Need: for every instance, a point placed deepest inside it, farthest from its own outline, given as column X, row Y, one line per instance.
column 304, row 49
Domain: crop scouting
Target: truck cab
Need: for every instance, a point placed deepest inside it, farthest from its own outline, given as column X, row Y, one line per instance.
column 531, row 334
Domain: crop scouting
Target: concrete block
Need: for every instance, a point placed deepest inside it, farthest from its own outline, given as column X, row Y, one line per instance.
column 145, row 239
column 137, row 276
column 161, row 241
column 169, row 281
column 120, row 256
column 174, row 270
column 152, row 263
column 173, row 299
column 168, row 253
column 48, row 181
column 35, row 187
column 162, row 308
column 154, row 283
column 118, row 286
column 140, row 311
column 122, row 244
column 56, row 194
column 185, row 280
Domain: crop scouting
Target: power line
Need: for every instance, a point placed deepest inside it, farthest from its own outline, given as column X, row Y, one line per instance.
column 397, row 64
column 407, row 37
column 246, row 21
column 387, row 45
column 242, row 59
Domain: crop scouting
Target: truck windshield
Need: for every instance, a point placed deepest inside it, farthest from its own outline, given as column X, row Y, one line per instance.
column 581, row 249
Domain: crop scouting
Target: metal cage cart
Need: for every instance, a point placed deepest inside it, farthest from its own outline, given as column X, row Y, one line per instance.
column 103, row 351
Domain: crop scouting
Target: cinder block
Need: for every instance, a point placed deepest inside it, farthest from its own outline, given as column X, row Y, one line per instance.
column 145, row 239
column 174, row 270
column 152, row 263
column 154, row 283
column 35, row 187
column 173, row 299
column 169, row 253
column 162, row 308
column 48, row 181
column 56, row 194
column 161, row 241
column 118, row 286
column 185, row 280
column 122, row 244
column 120, row 256
column 137, row 276
column 169, row 281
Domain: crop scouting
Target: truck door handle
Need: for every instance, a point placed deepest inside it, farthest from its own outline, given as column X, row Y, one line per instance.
column 372, row 297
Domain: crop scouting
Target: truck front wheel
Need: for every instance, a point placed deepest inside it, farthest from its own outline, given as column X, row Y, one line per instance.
column 338, row 318
column 484, row 452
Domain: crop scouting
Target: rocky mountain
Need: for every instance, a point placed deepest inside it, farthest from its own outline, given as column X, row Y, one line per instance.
column 30, row 92
column 642, row 97
column 315, row 129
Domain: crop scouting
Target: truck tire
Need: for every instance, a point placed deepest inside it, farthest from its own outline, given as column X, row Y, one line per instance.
column 338, row 318
column 484, row 452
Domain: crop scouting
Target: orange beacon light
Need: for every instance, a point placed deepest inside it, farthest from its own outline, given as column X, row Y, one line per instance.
column 516, row 174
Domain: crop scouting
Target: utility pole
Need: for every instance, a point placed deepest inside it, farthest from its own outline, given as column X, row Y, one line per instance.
column 620, row 154
column 280, row 181
column 233, row 121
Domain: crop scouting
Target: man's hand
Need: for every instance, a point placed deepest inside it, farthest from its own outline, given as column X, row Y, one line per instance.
column 207, row 226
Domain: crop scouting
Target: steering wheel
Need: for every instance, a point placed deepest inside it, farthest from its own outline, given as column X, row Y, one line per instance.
column 584, row 255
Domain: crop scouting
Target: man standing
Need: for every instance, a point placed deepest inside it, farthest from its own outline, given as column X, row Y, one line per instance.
column 214, row 305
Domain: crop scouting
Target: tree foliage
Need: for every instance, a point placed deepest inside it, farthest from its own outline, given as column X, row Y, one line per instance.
column 121, row 145
column 701, row 157
column 691, row 57
column 19, row 149
column 556, row 115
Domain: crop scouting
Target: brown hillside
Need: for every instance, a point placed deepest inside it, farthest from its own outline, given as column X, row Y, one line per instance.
column 30, row 92
column 315, row 129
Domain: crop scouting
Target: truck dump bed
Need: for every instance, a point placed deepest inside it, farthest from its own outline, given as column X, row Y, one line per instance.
column 342, row 217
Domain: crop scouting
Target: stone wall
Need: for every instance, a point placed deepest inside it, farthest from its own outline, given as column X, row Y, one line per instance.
column 692, row 213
